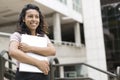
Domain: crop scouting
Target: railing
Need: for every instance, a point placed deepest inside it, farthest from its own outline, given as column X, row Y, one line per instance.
column 67, row 43
column 6, row 71
column 53, row 41
column 56, row 64
column 118, row 72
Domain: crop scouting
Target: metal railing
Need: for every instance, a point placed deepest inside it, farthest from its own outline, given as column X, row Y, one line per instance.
column 55, row 63
column 6, row 71
column 67, row 43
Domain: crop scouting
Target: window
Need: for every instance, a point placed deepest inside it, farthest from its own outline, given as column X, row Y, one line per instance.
column 63, row 1
column 76, row 5
column 70, row 74
column 111, row 28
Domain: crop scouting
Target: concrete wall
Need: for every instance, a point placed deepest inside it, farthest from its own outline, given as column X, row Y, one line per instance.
column 70, row 54
column 4, row 42
column 65, row 53
column 63, row 9
column 95, row 49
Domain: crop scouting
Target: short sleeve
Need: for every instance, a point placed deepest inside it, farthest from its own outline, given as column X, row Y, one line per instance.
column 15, row 37
column 48, row 40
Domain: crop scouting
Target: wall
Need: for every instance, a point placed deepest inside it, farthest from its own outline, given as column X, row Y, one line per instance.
column 65, row 53
column 95, row 49
column 4, row 42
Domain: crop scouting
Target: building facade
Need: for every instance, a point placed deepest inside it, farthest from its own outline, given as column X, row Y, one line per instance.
column 110, row 18
column 75, row 28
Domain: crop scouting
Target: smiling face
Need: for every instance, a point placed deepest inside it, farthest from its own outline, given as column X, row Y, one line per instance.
column 32, row 19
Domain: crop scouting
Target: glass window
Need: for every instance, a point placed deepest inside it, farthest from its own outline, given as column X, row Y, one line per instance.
column 76, row 5
column 111, row 28
column 73, row 71
column 63, row 1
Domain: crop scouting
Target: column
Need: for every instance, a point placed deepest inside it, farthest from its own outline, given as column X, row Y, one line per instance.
column 77, row 34
column 57, row 27
column 94, row 39
column 61, row 72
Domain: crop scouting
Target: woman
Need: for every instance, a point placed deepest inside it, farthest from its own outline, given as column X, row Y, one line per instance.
column 31, row 22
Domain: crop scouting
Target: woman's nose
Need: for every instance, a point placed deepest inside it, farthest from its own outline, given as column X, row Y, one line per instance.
column 33, row 18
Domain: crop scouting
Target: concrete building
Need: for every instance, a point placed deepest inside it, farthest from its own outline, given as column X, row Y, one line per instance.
column 75, row 29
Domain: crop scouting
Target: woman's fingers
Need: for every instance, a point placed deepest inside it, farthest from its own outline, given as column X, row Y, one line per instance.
column 46, row 69
column 24, row 47
column 44, row 66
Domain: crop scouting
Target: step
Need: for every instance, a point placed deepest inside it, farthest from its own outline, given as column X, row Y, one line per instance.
column 77, row 78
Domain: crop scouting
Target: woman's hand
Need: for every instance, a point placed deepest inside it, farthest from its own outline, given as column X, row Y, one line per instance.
column 43, row 66
column 24, row 47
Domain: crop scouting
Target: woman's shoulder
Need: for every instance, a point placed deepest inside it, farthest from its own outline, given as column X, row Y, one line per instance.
column 15, row 36
column 16, row 33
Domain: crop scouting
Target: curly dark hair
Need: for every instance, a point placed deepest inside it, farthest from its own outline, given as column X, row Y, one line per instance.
column 22, row 27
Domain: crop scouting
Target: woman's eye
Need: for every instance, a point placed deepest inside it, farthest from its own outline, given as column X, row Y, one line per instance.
column 30, row 16
column 36, row 16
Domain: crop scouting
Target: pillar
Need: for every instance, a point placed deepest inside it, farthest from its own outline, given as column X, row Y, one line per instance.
column 57, row 27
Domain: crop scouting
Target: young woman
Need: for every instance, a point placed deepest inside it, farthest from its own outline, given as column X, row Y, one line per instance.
column 31, row 22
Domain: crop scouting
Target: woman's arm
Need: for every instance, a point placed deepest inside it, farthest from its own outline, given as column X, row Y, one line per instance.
column 22, row 57
column 45, row 51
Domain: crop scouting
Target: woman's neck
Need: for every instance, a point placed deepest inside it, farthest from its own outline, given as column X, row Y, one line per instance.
column 33, row 33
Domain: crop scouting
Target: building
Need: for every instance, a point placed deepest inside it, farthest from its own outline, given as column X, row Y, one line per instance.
column 75, row 29
column 110, row 17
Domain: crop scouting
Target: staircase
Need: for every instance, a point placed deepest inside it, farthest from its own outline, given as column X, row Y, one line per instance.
column 54, row 67
column 79, row 78
column 9, row 73
column 6, row 73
